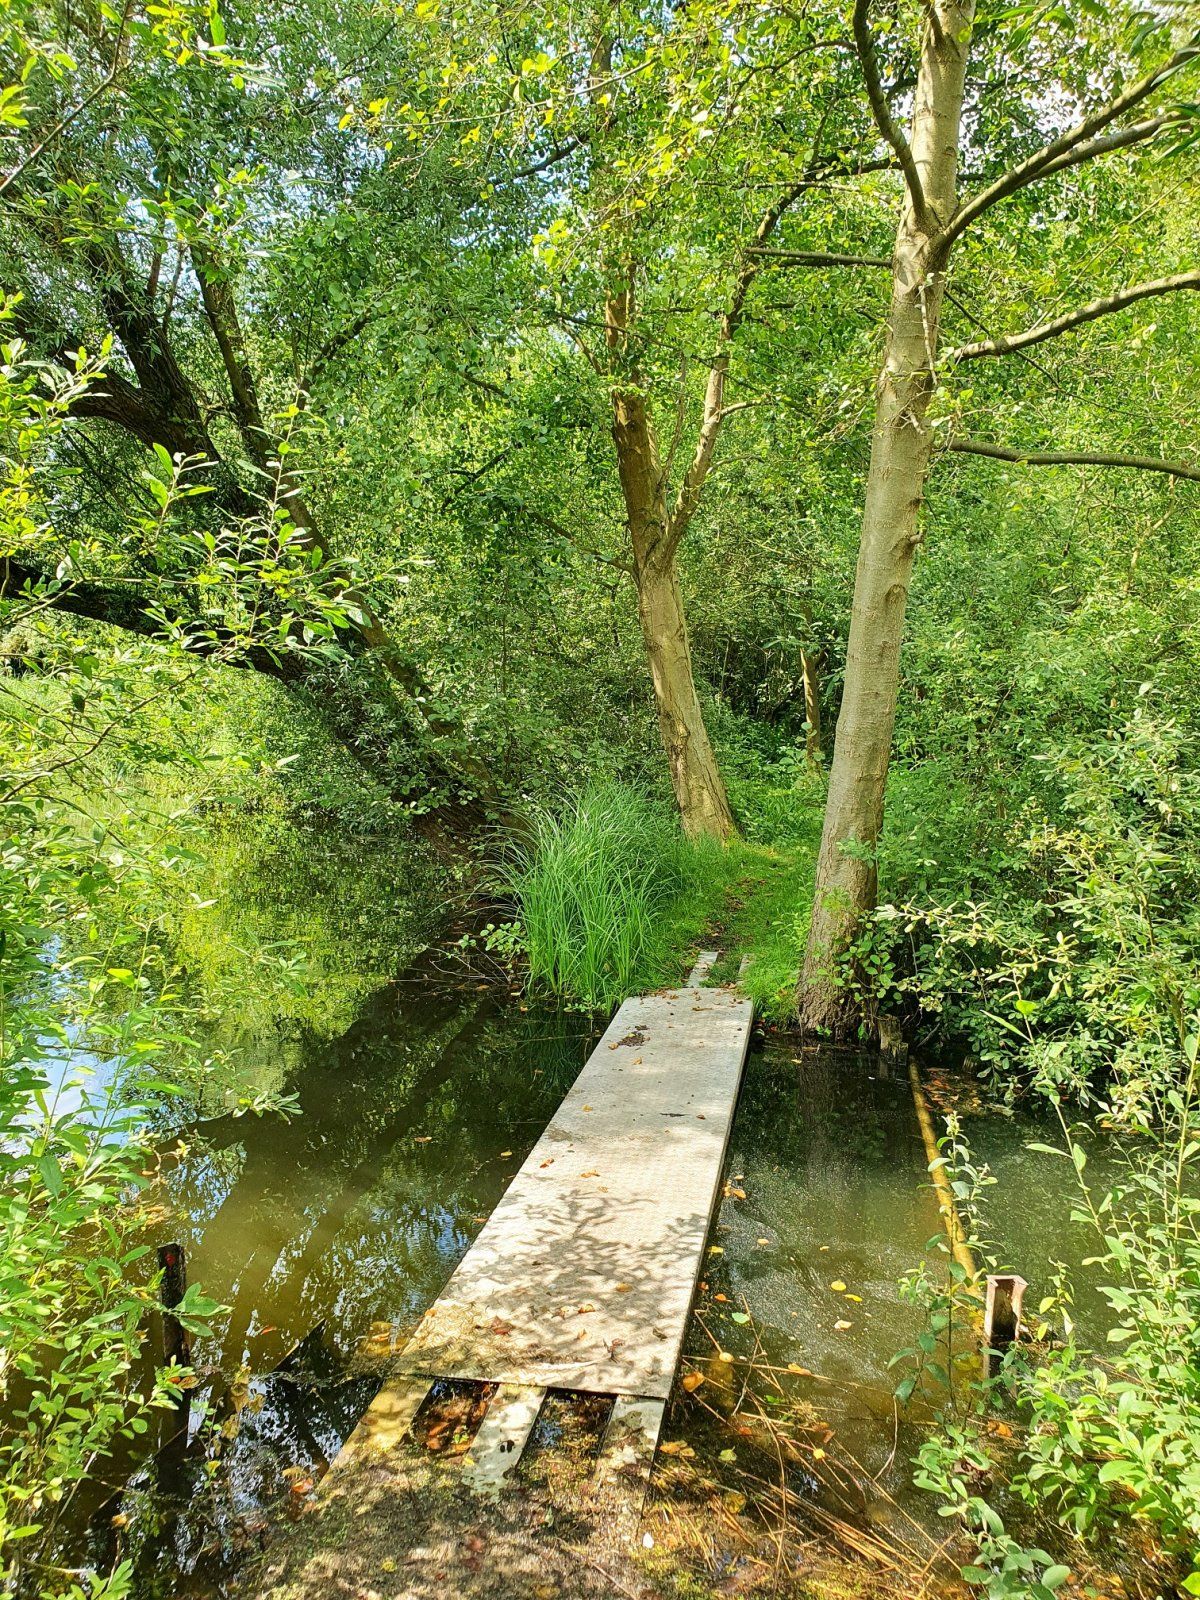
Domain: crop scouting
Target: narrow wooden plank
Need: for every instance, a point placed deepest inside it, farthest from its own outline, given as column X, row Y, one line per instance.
column 583, row 1276
column 626, row 1459
column 705, row 962
column 503, row 1433
column 631, row 1438
column 385, row 1423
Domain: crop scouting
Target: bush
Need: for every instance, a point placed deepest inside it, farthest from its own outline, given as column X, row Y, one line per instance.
column 1074, row 971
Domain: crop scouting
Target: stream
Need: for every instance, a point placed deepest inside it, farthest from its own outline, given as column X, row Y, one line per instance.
column 317, row 1228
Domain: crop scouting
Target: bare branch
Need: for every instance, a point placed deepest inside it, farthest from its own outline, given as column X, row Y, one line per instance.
column 559, row 153
column 1076, row 144
column 1072, row 458
column 1105, row 307
column 817, row 258
column 1135, row 133
column 887, row 124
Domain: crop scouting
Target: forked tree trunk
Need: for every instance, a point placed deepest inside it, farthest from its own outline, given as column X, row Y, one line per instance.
column 654, row 534
column 900, row 449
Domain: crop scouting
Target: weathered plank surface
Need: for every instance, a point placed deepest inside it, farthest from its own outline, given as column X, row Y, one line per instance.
column 583, row 1276
column 497, row 1446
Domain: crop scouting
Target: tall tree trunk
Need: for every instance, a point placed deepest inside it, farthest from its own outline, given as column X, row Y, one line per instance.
column 695, row 776
column 654, row 534
column 810, row 674
column 900, row 449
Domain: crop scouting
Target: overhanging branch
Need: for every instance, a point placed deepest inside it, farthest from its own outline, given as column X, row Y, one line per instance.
column 1072, row 458
column 1104, row 307
column 817, row 258
column 1077, row 144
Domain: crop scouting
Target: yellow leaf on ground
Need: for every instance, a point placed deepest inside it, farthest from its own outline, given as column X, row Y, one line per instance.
column 692, row 1380
column 838, row 1286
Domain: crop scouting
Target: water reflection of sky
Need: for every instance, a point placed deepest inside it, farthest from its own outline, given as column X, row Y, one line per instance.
column 311, row 1228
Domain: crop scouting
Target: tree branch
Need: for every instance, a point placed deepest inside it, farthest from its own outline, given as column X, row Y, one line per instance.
column 69, row 117
column 1077, row 144
column 1135, row 133
column 1071, row 458
column 715, row 409
column 817, row 258
column 1104, row 307
column 559, row 153
column 888, row 126
column 124, row 606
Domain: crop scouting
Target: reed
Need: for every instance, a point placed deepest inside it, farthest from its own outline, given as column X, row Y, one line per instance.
column 596, row 881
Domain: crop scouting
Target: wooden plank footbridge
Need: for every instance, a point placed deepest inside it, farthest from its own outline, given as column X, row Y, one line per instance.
column 582, row 1279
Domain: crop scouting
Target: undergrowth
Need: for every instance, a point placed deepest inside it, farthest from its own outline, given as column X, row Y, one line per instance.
column 610, row 898
column 607, row 892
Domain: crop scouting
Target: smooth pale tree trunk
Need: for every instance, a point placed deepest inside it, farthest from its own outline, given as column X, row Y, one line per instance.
column 846, row 876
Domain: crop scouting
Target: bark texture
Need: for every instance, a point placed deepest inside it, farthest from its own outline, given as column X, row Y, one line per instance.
column 900, row 451
column 655, row 531
column 695, row 777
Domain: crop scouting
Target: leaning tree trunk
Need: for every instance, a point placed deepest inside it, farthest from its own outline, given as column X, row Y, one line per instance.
column 699, row 790
column 695, row 776
column 846, row 877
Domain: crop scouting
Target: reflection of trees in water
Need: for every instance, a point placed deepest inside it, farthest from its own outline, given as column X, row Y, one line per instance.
column 337, row 1213
column 828, row 1110
column 334, row 1218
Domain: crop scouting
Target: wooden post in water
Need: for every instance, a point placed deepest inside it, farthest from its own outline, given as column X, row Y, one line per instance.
column 177, row 1342
column 1002, row 1310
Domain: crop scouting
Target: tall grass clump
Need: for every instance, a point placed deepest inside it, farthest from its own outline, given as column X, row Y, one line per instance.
column 598, row 885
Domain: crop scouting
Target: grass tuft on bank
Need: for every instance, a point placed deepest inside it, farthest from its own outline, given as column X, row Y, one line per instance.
column 611, row 899
column 606, row 887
